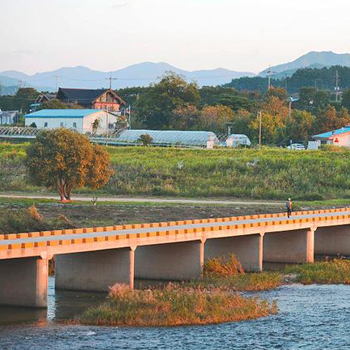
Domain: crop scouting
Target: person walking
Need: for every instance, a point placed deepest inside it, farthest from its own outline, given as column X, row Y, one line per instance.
column 289, row 207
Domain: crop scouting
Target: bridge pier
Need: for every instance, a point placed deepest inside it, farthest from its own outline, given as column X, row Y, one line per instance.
column 96, row 270
column 289, row 247
column 174, row 261
column 334, row 240
column 23, row 282
column 247, row 249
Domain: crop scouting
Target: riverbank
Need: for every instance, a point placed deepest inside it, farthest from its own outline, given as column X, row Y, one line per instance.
column 269, row 173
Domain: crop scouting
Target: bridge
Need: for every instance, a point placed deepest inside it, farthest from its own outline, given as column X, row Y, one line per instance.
column 92, row 259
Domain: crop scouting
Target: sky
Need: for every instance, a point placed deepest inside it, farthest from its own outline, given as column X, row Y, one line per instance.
column 106, row 35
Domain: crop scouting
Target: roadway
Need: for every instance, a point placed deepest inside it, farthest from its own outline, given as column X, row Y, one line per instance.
column 277, row 220
column 147, row 200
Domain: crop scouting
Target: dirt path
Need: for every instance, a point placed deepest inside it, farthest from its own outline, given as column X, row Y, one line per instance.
column 149, row 199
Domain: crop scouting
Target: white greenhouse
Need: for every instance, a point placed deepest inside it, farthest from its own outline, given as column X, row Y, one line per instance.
column 171, row 138
column 235, row 140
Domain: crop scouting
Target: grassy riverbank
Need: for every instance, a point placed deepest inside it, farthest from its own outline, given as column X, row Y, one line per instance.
column 249, row 173
column 336, row 271
column 175, row 305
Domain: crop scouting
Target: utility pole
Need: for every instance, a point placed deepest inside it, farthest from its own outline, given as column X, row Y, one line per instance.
column 289, row 109
column 129, row 117
column 260, row 122
column 336, row 88
column 269, row 80
column 110, row 81
column 57, row 78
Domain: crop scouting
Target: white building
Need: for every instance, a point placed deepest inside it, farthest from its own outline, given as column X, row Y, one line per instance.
column 8, row 117
column 82, row 120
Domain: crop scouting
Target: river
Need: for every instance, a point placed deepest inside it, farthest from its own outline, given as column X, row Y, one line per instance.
column 310, row 317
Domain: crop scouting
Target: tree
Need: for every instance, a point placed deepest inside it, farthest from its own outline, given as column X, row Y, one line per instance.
column 64, row 159
column 185, row 117
column 57, row 104
column 145, row 139
column 300, row 126
column 346, row 99
column 215, row 118
column 329, row 119
column 96, row 124
column 154, row 107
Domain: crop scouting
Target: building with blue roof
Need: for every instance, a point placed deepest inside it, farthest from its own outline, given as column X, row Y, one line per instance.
column 82, row 120
column 339, row 137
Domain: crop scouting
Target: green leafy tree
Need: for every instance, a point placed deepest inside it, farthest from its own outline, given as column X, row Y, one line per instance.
column 346, row 99
column 154, row 108
column 300, row 127
column 145, row 139
column 64, row 160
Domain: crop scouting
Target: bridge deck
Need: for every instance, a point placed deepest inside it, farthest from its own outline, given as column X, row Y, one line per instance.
column 99, row 238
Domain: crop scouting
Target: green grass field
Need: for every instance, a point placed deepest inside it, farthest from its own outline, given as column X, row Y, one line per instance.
column 249, row 173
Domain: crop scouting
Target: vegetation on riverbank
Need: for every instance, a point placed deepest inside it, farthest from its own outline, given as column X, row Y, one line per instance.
column 270, row 173
column 175, row 305
column 336, row 271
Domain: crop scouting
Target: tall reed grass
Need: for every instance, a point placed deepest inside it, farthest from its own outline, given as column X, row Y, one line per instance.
column 174, row 305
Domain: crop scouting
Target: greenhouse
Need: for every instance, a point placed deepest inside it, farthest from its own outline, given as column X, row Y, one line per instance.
column 235, row 140
column 171, row 138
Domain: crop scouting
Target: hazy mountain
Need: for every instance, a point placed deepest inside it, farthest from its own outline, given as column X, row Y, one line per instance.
column 312, row 59
column 141, row 74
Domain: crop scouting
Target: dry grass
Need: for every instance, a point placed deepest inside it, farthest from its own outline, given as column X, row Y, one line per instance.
column 227, row 272
column 175, row 305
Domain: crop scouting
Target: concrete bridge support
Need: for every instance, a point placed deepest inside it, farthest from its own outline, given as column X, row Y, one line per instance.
column 332, row 240
column 247, row 249
column 23, row 282
column 95, row 271
column 289, row 247
column 174, row 261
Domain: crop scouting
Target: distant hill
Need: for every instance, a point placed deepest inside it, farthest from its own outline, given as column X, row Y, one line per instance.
column 312, row 59
column 322, row 79
column 141, row 74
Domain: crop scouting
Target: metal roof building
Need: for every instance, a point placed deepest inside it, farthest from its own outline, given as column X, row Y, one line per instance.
column 79, row 119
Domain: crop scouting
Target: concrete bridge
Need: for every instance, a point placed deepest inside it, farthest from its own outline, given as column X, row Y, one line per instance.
column 92, row 259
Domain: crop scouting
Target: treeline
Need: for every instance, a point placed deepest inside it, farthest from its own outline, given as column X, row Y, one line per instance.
column 321, row 79
column 173, row 103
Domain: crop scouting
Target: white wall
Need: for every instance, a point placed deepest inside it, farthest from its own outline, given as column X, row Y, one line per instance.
column 344, row 140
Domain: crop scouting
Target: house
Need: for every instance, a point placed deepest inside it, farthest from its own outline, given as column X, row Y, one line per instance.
column 96, row 99
column 8, row 117
column 40, row 100
column 339, row 137
column 82, row 120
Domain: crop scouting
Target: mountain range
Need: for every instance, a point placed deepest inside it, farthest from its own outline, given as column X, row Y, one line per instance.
column 141, row 74
column 145, row 73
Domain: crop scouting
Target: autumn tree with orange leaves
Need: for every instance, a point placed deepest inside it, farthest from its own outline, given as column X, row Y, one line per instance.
column 64, row 159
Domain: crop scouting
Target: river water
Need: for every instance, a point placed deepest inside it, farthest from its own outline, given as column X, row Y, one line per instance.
column 310, row 317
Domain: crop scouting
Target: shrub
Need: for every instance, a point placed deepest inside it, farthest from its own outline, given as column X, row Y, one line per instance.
column 223, row 267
